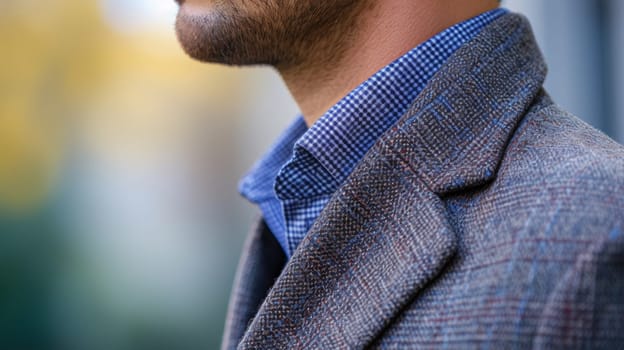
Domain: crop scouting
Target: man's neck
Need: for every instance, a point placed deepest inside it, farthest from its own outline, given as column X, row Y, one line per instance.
column 383, row 34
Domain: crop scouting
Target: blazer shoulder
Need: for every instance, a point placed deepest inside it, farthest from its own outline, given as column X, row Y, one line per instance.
column 554, row 144
column 566, row 169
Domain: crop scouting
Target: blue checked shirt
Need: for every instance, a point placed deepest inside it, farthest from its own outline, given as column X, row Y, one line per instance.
column 294, row 181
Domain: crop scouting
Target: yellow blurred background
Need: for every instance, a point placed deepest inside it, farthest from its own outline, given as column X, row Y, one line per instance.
column 120, row 222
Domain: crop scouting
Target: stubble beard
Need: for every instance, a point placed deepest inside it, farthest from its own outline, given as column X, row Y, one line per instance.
column 280, row 33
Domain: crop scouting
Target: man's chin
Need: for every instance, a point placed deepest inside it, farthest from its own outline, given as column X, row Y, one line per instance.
column 210, row 36
column 193, row 35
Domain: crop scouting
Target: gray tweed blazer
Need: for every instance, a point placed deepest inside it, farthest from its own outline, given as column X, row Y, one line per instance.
column 486, row 217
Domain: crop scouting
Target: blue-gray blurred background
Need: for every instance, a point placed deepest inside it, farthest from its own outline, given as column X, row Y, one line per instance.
column 120, row 223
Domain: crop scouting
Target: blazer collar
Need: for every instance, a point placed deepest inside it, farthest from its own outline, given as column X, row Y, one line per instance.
column 384, row 236
column 455, row 133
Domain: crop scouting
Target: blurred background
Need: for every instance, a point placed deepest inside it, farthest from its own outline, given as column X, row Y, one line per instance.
column 120, row 222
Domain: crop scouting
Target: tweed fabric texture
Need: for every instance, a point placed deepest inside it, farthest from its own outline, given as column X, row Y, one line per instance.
column 486, row 217
column 256, row 273
column 294, row 181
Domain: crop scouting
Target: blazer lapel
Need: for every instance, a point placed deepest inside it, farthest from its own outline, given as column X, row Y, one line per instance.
column 261, row 263
column 385, row 236
column 381, row 239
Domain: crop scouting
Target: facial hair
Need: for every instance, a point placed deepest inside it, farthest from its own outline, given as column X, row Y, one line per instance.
column 280, row 33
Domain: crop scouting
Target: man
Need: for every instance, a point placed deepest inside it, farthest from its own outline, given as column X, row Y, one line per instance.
column 430, row 195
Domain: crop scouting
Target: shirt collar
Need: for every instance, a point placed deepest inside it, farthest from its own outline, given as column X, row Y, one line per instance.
column 305, row 163
column 258, row 184
column 329, row 151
